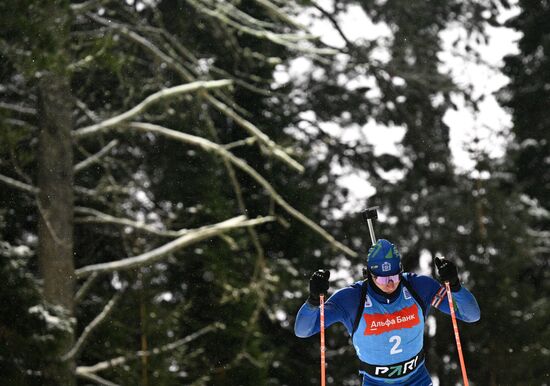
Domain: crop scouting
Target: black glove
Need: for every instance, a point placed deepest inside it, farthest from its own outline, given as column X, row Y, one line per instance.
column 318, row 284
column 447, row 271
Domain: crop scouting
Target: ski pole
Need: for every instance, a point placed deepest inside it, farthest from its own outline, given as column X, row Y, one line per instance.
column 457, row 336
column 322, row 311
column 370, row 214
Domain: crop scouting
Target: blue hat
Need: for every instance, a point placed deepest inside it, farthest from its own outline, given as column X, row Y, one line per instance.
column 384, row 259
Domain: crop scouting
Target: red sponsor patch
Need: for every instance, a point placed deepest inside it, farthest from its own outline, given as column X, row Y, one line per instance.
column 380, row 323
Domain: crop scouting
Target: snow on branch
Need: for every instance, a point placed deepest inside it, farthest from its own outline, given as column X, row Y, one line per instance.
column 97, row 217
column 241, row 164
column 279, row 13
column 242, row 142
column 97, row 379
column 73, row 352
column 34, row 190
column 17, row 108
column 252, row 129
column 18, row 184
column 246, row 24
column 85, row 6
column 149, row 46
column 118, row 361
column 85, row 287
column 539, row 233
column 191, row 237
column 95, row 157
column 185, row 74
column 232, row 16
column 159, row 95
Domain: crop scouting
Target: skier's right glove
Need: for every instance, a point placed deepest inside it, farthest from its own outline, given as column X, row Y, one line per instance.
column 318, row 284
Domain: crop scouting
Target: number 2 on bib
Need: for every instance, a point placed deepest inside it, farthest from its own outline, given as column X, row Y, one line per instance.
column 395, row 349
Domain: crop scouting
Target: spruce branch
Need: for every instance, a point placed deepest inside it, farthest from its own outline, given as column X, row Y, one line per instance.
column 85, row 287
column 280, row 14
column 18, row 184
column 191, row 237
column 120, row 360
column 95, row 157
column 97, row 217
column 186, row 75
column 18, row 108
column 252, row 129
column 102, row 316
column 241, row 164
column 156, row 97
column 96, row 378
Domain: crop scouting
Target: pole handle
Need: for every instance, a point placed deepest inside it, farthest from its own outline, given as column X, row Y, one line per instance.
column 457, row 336
column 371, row 232
column 369, row 215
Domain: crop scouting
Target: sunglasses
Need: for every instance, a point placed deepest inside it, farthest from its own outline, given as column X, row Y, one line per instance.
column 385, row 280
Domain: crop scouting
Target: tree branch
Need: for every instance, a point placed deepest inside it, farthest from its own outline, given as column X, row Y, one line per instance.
column 84, row 287
column 85, row 6
column 240, row 199
column 252, row 129
column 159, row 350
column 289, row 40
column 17, row 108
column 75, row 350
column 98, row 217
column 243, row 142
column 241, row 164
column 96, row 378
column 186, row 75
column 18, row 184
column 136, row 38
column 162, row 94
column 224, row 13
column 95, row 157
column 334, row 23
column 103, row 218
column 276, row 11
column 191, row 237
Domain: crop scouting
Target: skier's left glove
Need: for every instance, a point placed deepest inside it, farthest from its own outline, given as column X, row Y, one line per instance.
column 447, row 271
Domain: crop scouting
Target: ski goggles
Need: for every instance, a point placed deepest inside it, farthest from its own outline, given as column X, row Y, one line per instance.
column 385, row 280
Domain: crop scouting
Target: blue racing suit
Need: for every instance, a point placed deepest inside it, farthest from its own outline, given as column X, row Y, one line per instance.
column 389, row 337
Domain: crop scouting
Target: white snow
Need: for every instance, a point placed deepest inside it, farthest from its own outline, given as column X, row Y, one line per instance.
column 53, row 322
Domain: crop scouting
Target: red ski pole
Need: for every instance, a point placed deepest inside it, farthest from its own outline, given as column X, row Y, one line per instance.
column 322, row 304
column 457, row 336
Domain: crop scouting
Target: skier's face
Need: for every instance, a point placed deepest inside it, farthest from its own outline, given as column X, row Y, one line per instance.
column 387, row 286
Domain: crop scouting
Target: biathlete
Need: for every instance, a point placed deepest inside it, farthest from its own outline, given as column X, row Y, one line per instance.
column 385, row 314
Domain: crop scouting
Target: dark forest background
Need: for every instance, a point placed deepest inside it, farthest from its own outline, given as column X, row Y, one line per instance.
column 155, row 135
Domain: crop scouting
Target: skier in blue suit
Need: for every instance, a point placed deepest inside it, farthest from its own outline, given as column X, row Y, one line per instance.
column 385, row 314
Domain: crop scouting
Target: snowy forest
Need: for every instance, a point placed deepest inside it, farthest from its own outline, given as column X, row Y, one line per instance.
column 171, row 176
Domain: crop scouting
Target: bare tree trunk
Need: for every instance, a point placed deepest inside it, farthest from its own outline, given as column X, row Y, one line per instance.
column 55, row 204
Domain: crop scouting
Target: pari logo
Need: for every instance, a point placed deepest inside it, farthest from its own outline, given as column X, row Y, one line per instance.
column 397, row 370
column 386, row 267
